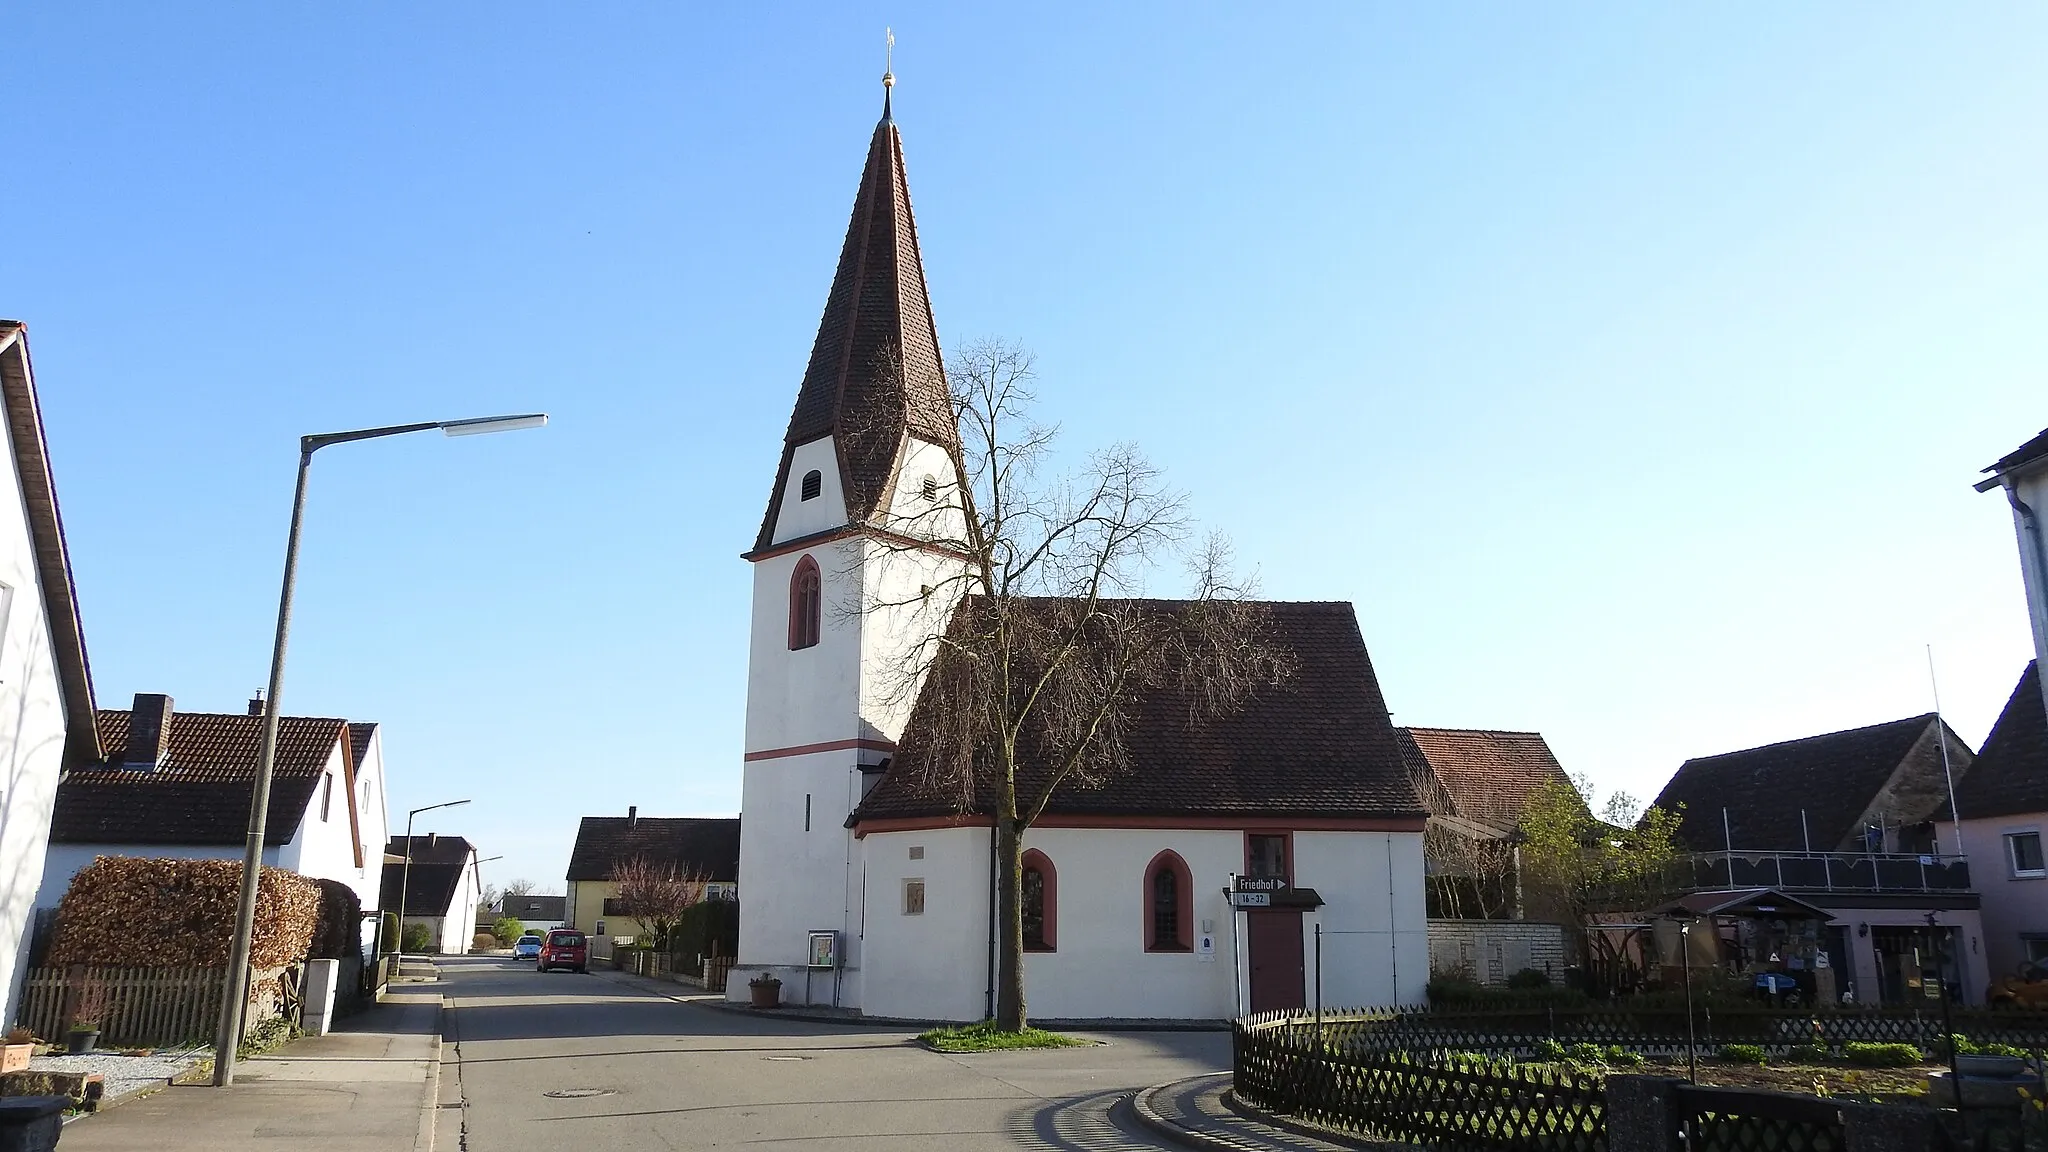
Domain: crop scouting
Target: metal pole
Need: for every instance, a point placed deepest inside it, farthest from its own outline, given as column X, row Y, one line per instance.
column 1948, row 1035
column 404, row 883
column 235, row 991
column 1319, row 980
column 1728, row 840
column 1692, row 1059
column 1948, row 774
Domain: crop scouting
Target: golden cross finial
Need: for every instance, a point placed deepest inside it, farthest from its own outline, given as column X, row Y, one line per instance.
column 889, row 66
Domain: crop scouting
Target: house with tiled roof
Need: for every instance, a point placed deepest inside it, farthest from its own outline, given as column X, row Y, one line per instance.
column 705, row 848
column 2001, row 819
column 46, row 701
column 1476, row 785
column 869, row 884
column 1845, row 822
column 433, row 880
column 177, row 784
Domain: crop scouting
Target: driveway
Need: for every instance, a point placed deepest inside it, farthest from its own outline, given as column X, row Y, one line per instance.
column 648, row 1072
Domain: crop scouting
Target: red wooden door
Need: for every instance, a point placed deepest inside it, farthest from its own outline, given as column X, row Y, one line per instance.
column 1273, row 939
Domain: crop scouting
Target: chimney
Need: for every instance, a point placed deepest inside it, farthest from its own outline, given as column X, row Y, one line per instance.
column 256, row 703
column 149, row 732
column 632, row 817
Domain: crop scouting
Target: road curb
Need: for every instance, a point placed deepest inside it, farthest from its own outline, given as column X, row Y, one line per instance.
column 430, row 1094
column 1149, row 1115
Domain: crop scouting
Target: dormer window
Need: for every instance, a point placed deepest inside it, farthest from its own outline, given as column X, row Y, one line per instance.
column 931, row 488
column 813, row 482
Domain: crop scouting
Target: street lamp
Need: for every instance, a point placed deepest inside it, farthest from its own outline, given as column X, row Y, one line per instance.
column 405, row 877
column 1692, row 1058
column 236, row 991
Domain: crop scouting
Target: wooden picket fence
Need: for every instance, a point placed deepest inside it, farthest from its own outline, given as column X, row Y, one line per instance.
column 146, row 1007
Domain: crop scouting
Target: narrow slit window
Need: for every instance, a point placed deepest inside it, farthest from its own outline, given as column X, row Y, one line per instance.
column 813, row 482
column 806, row 598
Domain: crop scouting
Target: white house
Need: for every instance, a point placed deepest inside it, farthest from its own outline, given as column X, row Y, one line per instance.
column 177, row 784
column 866, row 889
column 46, row 706
column 2002, row 803
column 444, row 892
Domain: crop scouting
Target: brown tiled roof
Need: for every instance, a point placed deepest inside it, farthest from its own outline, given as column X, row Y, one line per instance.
column 1485, row 776
column 437, row 866
column 876, row 312
column 46, row 535
column 359, row 737
column 2010, row 776
column 200, row 793
column 1833, row 778
column 706, row 844
column 1318, row 745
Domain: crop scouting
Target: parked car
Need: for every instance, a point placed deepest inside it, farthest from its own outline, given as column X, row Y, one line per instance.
column 527, row 947
column 565, row 948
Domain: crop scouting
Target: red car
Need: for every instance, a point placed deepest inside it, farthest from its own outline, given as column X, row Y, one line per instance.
column 565, row 948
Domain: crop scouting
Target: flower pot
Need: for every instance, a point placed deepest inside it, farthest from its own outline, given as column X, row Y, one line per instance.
column 15, row 1057
column 1994, row 1066
column 766, row 993
column 79, row 1041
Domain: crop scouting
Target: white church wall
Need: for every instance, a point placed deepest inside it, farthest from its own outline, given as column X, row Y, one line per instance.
column 1101, row 969
column 812, row 695
column 930, row 964
column 797, row 516
column 1375, row 928
column 794, row 879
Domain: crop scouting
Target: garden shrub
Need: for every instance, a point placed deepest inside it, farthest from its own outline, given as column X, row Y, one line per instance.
column 1549, row 1050
column 507, row 929
column 415, row 938
column 1808, row 1053
column 337, row 934
column 1623, row 1058
column 1881, row 1055
column 1529, row 978
column 1960, row 1044
column 1742, row 1053
column 1587, row 1054
column 132, row 912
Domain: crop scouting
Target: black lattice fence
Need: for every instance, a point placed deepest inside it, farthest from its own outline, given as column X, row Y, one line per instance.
column 1662, row 1031
column 1449, row 1102
column 1741, row 1120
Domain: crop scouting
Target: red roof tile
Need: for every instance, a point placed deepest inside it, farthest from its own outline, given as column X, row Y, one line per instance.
column 1484, row 776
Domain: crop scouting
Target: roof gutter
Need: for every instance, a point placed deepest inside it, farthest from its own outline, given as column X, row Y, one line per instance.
column 2031, row 544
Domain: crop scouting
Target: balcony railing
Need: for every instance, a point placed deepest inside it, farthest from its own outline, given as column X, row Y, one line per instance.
column 1827, row 872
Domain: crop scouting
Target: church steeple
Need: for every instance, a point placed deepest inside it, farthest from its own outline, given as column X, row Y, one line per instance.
column 875, row 374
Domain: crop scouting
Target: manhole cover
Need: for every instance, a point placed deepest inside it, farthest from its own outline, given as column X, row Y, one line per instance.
column 578, row 1093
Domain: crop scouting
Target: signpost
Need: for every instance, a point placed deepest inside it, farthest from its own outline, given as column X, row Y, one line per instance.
column 1255, row 891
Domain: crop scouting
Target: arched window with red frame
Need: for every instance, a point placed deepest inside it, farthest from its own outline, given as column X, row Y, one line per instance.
column 1040, row 889
column 1169, row 903
column 806, row 600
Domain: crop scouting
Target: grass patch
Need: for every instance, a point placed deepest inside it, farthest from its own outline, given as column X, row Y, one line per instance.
column 986, row 1037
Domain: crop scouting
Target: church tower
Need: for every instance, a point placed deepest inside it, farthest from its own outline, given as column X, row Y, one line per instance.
column 851, row 575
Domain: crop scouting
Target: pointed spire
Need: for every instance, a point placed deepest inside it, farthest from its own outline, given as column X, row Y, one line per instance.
column 888, row 71
column 875, row 373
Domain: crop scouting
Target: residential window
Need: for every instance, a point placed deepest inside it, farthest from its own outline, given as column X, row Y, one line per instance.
column 1169, row 899
column 326, row 795
column 805, row 602
column 813, row 481
column 1266, row 856
column 2036, row 949
column 913, row 896
column 1039, row 888
column 2023, row 849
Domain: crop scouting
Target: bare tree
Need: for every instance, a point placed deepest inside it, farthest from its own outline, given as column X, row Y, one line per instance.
column 1031, row 658
column 520, row 887
column 655, row 893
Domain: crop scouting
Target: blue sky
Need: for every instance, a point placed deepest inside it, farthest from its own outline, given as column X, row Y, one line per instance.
column 1627, row 368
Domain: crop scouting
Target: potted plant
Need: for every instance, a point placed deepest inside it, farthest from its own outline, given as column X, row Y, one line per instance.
column 21, row 1044
column 88, row 1010
column 766, row 990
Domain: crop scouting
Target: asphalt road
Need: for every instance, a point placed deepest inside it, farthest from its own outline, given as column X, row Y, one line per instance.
column 652, row 1072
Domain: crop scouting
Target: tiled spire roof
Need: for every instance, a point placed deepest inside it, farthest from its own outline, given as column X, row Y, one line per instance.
column 875, row 371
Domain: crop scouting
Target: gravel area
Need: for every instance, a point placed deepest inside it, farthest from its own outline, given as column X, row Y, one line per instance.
column 123, row 1074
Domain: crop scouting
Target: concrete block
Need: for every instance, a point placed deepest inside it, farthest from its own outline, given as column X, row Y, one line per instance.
column 1890, row 1128
column 1642, row 1113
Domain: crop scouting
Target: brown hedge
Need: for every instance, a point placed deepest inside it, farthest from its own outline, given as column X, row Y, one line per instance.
column 143, row 913
column 339, row 933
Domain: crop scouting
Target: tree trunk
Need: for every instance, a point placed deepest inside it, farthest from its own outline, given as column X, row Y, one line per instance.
column 1009, row 924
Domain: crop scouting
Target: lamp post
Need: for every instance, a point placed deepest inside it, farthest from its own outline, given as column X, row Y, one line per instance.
column 1692, row 1058
column 405, row 877
column 235, row 991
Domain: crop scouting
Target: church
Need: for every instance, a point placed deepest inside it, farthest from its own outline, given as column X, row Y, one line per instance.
column 1265, row 859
